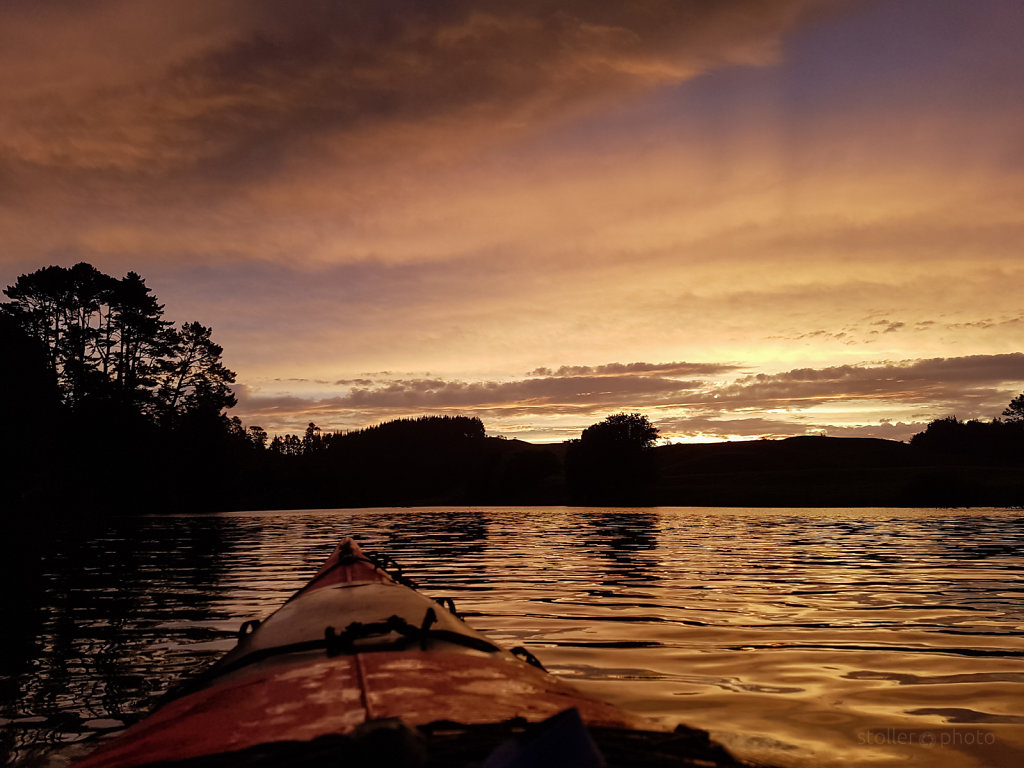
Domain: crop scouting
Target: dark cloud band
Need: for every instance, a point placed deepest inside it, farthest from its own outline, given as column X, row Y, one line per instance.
column 967, row 385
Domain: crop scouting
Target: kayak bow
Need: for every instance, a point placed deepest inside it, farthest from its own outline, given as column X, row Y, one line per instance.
column 357, row 665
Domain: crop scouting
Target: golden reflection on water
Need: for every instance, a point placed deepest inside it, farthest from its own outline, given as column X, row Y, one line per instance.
column 800, row 637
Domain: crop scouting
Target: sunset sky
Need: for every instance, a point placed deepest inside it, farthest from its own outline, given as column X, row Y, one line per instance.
column 743, row 218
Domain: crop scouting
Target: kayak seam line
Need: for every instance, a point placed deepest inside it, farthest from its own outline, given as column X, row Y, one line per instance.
column 361, row 682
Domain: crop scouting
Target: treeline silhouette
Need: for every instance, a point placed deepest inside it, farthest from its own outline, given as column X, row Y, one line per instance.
column 110, row 408
column 991, row 443
column 438, row 460
column 952, row 463
column 424, row 461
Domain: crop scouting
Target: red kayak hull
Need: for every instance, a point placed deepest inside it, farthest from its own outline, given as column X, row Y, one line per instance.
column 336, row 696
column 257, row 695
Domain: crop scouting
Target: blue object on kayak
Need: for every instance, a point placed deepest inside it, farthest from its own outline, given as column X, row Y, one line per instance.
column 561, row 741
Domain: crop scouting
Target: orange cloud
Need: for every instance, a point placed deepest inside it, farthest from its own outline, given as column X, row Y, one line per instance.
column 186, row 84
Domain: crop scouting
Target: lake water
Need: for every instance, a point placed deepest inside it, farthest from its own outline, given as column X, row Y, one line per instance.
column 824, row 637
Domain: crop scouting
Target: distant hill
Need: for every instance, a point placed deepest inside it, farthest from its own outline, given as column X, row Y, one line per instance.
column 823, row 472
column 416, row 463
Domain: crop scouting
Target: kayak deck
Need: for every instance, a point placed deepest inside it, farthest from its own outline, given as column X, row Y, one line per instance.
column 354, row 654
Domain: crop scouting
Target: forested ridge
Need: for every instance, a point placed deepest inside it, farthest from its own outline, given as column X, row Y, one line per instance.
column 108, row 407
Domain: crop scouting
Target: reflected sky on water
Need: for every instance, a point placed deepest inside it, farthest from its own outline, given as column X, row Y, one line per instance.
column 804, row 637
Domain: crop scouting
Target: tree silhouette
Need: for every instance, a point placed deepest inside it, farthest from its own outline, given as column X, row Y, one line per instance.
column 611, row 463
column 63, row 308
column 193, row 376
column 131, row 403
column 1014, row 412
column 312, row 440
column 107, row 339
column 975, row 442
column 258, row 437
column 139, row 341
column 28, row 410
column 628, row 431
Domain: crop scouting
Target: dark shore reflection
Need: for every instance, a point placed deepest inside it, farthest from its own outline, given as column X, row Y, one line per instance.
column 439, row 534
column 112, row 609
column 626, row 541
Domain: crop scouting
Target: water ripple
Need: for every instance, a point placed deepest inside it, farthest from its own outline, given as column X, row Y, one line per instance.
column 801, row 637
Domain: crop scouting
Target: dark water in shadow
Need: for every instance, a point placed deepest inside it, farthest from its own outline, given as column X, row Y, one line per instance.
column 803, row 637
